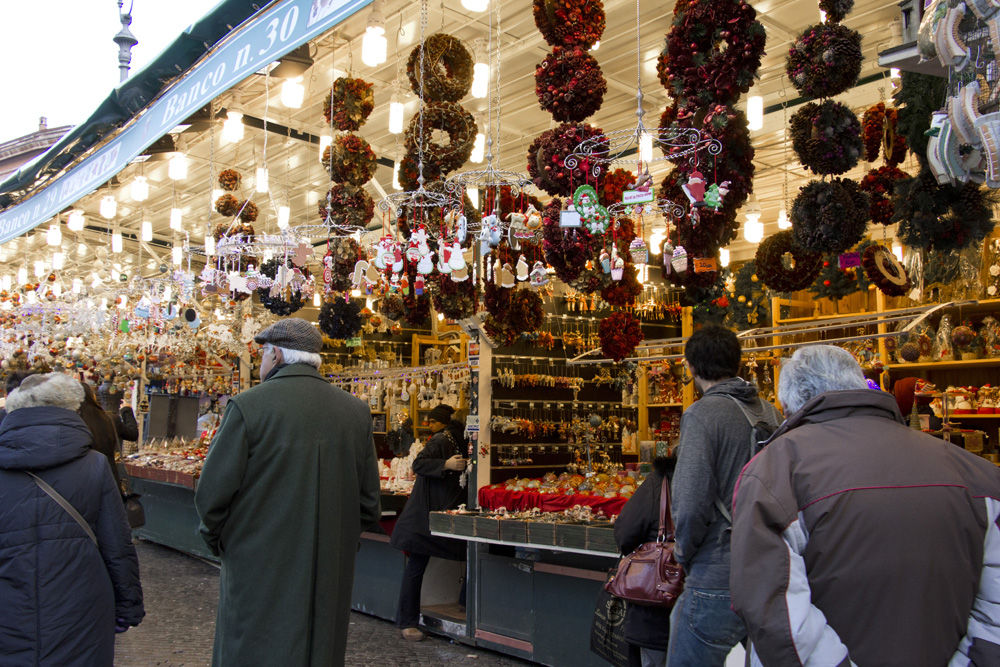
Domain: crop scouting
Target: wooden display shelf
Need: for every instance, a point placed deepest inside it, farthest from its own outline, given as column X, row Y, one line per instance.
column 947, row 365
column 954, row 417
column 664, row 405
column 533, row 465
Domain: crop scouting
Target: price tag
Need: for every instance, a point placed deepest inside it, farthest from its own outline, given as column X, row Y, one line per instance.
column 849, row 260
column 704, row 264
column 472, row 423
column 637, row 196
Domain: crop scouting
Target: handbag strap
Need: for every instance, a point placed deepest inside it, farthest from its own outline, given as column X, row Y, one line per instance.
column 666, row 521
column 65, row 504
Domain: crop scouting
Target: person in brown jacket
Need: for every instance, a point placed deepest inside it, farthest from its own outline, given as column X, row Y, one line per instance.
column 859, row 541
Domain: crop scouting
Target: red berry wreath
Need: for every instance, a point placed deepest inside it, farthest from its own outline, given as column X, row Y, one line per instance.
column 620, row 333
column 547, row 158
column 569, row 22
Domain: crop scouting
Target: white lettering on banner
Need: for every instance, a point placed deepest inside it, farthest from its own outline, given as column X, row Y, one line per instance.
column 278, row 27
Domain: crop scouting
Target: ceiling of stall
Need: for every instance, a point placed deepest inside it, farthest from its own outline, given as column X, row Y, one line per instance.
column 297, row 178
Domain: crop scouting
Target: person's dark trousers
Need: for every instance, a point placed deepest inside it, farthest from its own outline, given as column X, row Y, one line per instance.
column 408, row 609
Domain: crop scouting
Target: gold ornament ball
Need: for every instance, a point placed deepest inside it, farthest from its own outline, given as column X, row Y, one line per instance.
column 871, row 287
column 753, row 278
column 742, row 299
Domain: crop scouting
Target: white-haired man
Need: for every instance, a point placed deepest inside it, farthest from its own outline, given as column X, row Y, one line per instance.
column 859, row 541
column 288, row 485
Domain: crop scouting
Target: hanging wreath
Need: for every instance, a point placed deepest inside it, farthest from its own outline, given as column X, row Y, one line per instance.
column 709, row 305
column 829, row 216
column 447, row 69
column 354, row 160
column 784, row 267
column 524, row 313
column 566, row 250
column 836, row 10
column 339, row 319
column 452, row 119
column 547, row 158
column 826, row 137
column 569, row 84
column 624, row 292
column 348, row 206
column 352, row 103
column 880, row 184
column 416, row 309
column 916, row 99
column 233, row 229
column 713, row 52
column 825, row 60
column 248, row 211
column 569, row 22
column 408, row 172
column 612, row 185
column 941, row 217
column 456, row 301
column 878, row 132
column 227, row 205
column 229, row 179
column 276, row 304
column 619, row 333
column 884, row 270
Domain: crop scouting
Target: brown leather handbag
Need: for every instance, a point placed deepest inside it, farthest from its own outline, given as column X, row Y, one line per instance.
column 650, row 575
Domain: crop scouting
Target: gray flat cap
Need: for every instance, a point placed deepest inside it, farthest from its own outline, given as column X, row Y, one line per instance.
column 292, row 333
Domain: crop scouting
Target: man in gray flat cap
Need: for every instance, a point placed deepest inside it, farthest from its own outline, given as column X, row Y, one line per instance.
column 289, row 483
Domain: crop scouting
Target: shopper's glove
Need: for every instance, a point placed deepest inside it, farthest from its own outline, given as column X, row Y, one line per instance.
column 121, row 626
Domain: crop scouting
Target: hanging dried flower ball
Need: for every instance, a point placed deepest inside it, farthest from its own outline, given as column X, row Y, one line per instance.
column 276, row 304
column 624, row 292
column 547, row 158
column 836, row 10
column 620, row 333
column 784, row 267
column 447, row 69
column 340, row 319
column 456, row 300
column 352, row 103
column 227, row 205
column 826, row 137
column 345, row 253
column 229, row 179
column 523, row 314
column 880, row 184
column 347, row 206
column 248, row 211
column 825, row 60
column 713, row 52
column 392, row 306
column 233, row 229
column 569, row 22
column 611, row 186
column 829, row 216
column 450, row 118
column 885, row 271
column 569, row 84
column 353, row 160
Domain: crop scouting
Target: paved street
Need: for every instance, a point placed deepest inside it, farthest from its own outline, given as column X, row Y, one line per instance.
column 181, row 594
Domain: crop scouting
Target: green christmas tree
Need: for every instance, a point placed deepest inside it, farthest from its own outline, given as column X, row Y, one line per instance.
column 836, row 283
column 750, row 303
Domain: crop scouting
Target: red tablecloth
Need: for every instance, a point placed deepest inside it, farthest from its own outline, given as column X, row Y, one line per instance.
column 547, row 502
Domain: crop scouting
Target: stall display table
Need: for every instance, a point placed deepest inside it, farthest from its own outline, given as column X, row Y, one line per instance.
column 494, row 499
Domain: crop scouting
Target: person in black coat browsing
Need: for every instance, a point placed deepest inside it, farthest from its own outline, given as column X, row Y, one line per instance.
column 439, row 469
column 638, row 523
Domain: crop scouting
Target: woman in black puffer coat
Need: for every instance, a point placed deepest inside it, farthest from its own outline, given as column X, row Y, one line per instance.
column 63, row 597
column 639, row 522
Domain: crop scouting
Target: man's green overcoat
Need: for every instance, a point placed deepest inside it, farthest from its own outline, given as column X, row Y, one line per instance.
column 288, row 485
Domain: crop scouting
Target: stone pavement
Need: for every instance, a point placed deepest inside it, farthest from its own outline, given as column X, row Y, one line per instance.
column 181, row 594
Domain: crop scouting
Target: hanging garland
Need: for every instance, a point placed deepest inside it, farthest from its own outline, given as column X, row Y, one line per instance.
column 826, row 137
column 447, row 69
column 880, row 184
column 878, row 132
column 349, row 206
column 547, row 158
column 829, row 216
column 353, row 101
column 619, row 333
column 456, row 300
column 229, row 179
column 836, row 10
column 771, row 269
column 569, row 84
column 452, row 119
column 276, row 304
column 917, row 98
column 941, row 217
column 354, row 160
column 712, row 53
column 248, row 212
column 825, row 60
column 884, row 270
column 340, row 319
column 569, row 22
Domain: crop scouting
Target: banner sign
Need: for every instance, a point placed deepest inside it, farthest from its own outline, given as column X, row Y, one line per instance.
column 262, row 40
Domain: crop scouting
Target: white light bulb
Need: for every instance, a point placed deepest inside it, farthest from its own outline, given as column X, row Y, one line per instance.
column 395, row 176
column 209, row 245
column 76, row 221
column 77, row 285
column 480, row 80
column 176, row 219
column 596, row 45
column 646, row 147
column 316, row 299
column 232, row 129
column 5, row 283
column 82, row 249
column 724, row 257
column 147, row 230
column 476, row 5
column 396, row 109
column 262, row 179
column 116, row 242
column 32, row 297
column 284, row 215
column 822, row 16
column 140, row 188
column 177, row 168
column 783, row 221
column 216, row 193
column 292, row 93
column 58, row 260
column 355, row 293
column 39, row 268
column 755, row 112
column 53, row 236
column 374, row 46
column 22, row 275
column 473, row 193
column 478, row 148
column 895, row 73
column 177, row 254
column 104, row 300
column 109, row 207
column 897, row 250
column 656, row 242
column 753, row 229
column 57, row 289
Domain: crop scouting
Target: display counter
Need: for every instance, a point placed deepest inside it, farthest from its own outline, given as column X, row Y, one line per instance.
column 494, row 499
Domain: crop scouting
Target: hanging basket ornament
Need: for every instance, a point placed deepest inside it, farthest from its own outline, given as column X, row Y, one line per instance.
column 884, row 271
column 569, row 84
column 784, row 267
column 825, row 60
column 447, row 69
column 349, row 104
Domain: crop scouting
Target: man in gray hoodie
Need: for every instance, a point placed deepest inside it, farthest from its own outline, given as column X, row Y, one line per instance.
column 715, row 444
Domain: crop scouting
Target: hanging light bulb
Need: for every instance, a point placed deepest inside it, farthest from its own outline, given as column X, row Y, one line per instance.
column 473, row 193
column 480, row 80
column 54, row 235
column 822, row 16
column 32, row 297
column 724, row 257
column 476, row 5
column 262, row 180
column 22, row 275
column 77, row 285
column 656, row 241
column 39, row 268
column 232, row 128
column 755, row 109
column 293, row 92
column 209, row 245
column 646, row 147
column 147, row 230
column 177, row 254
column 82, row 249
column 395, row 175
column 57, row 289
column 316, row 299
column 104, row 300
column 176, row 219
column 177, row 168
column 58, row 260
column 140, row 188
column 478, row 148
column 167, row 293
column 324, row 142
column 5, row 283
column 897, row 250
column 109, row 207
column 75, row 222
column 783, row 221
column 284, row 215
column 753, row 228
column 116, row 241
column 216, row 193
column 374, row 44
column 396, row 109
